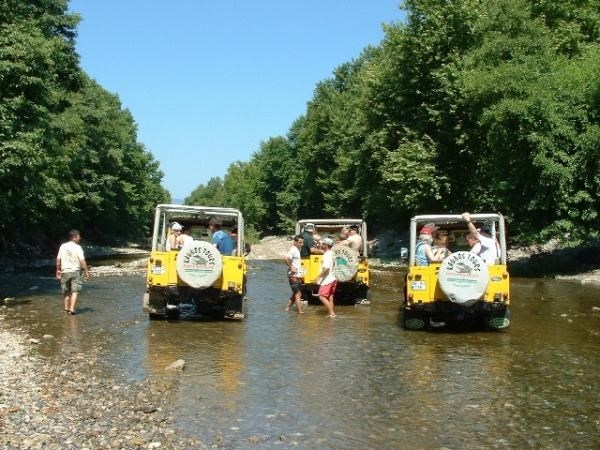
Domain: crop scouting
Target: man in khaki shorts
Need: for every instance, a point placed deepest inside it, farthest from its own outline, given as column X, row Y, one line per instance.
column 70, row 261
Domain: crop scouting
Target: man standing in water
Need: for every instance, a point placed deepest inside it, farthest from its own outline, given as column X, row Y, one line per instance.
column 326, row 279
column 294, row 265
column 69, row 264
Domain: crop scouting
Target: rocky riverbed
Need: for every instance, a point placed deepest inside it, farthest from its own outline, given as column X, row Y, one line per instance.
column 68, row 403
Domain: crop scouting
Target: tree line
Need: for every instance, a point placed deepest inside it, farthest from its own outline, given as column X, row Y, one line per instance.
column 485, row 106
column 465, row 105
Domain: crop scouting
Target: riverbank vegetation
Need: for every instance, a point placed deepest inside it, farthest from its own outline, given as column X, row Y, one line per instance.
column 465, row 105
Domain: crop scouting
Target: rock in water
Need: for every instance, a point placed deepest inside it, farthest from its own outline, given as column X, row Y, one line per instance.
column 177, row 365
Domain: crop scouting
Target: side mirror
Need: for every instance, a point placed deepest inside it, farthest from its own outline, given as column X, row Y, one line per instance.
column 403, row 253
column 247, row 249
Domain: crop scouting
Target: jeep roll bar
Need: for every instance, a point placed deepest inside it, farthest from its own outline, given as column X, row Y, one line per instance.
column 496, row 220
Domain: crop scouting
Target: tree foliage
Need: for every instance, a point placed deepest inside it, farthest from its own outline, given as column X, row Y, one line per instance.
column 465, row 105
column 69, row 155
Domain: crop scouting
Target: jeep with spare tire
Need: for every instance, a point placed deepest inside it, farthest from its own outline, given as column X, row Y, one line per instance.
column 351, row 268
column 193, row 279
column 460, row 288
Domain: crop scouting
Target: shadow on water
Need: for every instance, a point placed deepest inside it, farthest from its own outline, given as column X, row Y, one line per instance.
column 357, row 381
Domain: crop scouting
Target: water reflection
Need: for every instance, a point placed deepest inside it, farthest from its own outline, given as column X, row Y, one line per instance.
column 359, row 381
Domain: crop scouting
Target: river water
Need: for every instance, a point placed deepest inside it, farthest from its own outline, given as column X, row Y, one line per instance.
column 354, row 382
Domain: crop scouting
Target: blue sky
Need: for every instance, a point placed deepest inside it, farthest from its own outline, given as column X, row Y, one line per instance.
column 208, row 81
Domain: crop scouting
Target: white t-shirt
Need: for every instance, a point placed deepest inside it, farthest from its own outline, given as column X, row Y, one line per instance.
column 327, row 262
column 70, row 255
column 186, row 239
column 487, row 249
column 294, row 256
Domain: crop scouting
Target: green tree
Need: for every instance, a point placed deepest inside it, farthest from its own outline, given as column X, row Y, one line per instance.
column 38, row 68
column 210, row 194
column 278, row 172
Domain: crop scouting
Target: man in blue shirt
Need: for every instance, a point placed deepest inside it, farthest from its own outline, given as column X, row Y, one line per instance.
column 220, row 238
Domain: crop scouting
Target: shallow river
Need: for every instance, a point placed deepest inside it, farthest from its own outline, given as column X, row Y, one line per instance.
column 354, row 382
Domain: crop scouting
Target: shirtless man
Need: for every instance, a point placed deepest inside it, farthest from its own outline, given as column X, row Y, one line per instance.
column 354, row 239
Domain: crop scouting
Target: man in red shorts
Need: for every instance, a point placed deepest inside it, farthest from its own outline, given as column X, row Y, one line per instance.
column 326, row 280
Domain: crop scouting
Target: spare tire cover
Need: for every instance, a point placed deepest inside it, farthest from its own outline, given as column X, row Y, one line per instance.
column 463, row 277
column 346, row 262
column 199, row 264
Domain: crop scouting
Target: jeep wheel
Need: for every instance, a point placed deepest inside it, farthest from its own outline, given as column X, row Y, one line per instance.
column 364, row 300
column 156, row 316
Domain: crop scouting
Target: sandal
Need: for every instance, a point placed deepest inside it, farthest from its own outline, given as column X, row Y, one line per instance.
column 72, row 313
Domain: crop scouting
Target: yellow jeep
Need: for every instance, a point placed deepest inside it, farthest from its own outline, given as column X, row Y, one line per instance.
column 196, row 280
column 351, row 267
column 461, row 289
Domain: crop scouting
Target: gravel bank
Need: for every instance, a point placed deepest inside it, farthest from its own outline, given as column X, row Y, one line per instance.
column 68, row 403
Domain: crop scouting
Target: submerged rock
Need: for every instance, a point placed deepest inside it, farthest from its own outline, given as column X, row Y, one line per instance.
column 177, row 365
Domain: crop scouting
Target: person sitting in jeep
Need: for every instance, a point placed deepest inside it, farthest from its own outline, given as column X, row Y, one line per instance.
column 354, row 239
column 174, row 241
column 440, row 248
column 308, row 235
column 423, row 251
column 488, row 248
column 220, row 238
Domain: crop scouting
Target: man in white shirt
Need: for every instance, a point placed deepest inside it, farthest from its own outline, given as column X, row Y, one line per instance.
column 326, row 279
column 294, row 264
column 488, row 248
column 70, row 261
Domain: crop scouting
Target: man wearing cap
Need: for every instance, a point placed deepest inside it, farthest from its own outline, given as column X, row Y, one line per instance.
column 423, row 251
column 174, row 241
column 308, row 247
column 354, row 239
column 326, row 279
column 70, row 262
column 488, row 249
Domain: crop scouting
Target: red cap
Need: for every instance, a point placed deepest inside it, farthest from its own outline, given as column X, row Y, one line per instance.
column 426, row 230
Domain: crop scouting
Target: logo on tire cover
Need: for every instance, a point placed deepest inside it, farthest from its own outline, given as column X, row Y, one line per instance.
column 463, row 277
column 345, row 262
column 199, row 261
column 462, row 269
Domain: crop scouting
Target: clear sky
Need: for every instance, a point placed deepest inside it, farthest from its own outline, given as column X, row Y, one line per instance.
column 208, row 81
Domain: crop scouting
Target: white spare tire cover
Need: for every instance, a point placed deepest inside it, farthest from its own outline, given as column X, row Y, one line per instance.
column 346, row 262
column 199, row 264
column 463, row 277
